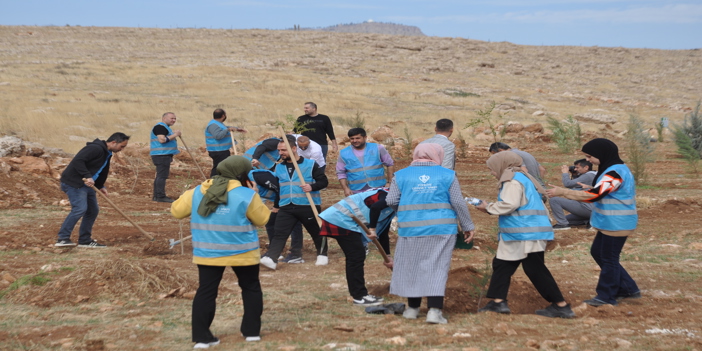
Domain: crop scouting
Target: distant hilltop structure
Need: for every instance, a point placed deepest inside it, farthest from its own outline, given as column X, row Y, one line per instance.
column 369, row 26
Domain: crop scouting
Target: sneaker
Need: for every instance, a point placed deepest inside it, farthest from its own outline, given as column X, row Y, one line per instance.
column 292, row 259
column 322, row 260
column 367, row 249
column 64, row 242
column 434, row 316
column 560, row 227
column 253, row 338
column 93, row 244
column 595, row 302
column 268, row 263
column 636, row 295
column 206, row 345
column 368, row 300
column 553, row 311
column 163, row 199
column 411, row 313
column 498, row 307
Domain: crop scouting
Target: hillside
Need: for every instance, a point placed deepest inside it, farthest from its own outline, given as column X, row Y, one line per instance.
column 58, row 85
column 373, row 27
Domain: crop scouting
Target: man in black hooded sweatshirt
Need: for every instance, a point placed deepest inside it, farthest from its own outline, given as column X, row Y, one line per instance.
column 90, row 166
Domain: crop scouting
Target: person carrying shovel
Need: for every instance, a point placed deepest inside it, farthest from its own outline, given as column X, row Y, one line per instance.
column 86, row 172
column 223, row 226
column 339, row 223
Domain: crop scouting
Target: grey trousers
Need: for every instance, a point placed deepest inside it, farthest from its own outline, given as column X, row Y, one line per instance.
column 579, row 211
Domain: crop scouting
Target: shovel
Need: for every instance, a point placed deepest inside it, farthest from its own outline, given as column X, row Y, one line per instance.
column 120, row 212
column 173, row 242
column 375, row 241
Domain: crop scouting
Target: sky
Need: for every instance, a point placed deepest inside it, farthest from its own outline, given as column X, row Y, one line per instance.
column 658, row 24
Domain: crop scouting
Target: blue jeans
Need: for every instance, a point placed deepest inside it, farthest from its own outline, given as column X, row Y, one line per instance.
column 83, row 204
column 614, row 280
column 325, row 149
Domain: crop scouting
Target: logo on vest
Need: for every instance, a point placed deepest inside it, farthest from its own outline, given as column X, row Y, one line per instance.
column 221, row 210
column 424, row 178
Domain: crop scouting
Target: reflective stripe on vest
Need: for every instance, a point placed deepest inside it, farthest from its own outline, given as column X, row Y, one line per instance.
column 158, row 148
column 371, row 172
column 290, row 188
column 617, row 210
column 528, row 222
column 268, row 158
column 340, row 213
column 213, row 144
column 424, row 207
column 227, row 231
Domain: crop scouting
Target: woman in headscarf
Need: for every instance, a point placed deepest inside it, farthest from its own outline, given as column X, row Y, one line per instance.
column 614, row 216
column 428, row 200
column 524, row 230
column 224, row 233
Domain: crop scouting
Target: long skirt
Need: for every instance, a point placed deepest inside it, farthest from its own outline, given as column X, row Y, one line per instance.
column 422, row 265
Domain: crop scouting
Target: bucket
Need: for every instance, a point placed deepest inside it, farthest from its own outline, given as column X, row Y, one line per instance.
column 461, row 244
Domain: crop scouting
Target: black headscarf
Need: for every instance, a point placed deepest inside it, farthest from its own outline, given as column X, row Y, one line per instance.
column 606, row 151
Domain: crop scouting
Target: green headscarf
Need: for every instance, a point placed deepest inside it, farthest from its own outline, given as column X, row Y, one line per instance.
column 232, row 168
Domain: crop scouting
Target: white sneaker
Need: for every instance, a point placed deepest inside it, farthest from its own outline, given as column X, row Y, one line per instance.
column 206, row 345
column 322, row 260
column 253, row 338
column 268, row 263
column 411, row 313
column 434, row 316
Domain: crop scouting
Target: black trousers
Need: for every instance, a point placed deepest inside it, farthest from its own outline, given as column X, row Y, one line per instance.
column 352, row 246
column 535, row 270
column 217, row 157
column 432, row 302
column 163, row 170
column 285, row 221
column 205, row 302
column 295, row 234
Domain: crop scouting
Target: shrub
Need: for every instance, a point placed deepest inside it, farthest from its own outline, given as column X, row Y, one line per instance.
column 638, row 148
column 688, row 138
column 486, row 118
column 566, row 134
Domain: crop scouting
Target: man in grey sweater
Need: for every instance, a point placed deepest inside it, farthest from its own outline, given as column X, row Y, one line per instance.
column 580, row 212
column 444, row 129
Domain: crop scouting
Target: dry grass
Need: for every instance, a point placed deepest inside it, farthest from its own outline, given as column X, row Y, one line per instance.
column 63, row 86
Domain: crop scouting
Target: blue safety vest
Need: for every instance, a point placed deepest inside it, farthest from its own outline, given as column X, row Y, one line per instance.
column 340, row 213
column 617, row 210
column 268, row 159
column 213, row 144
column 169, row 148
column 264, row 193
column 290, row 188
column 528, row 222
column 227, row 231
column 371, row 172
column 425, row 204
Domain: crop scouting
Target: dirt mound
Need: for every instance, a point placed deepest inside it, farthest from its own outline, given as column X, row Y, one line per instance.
column 92, row 280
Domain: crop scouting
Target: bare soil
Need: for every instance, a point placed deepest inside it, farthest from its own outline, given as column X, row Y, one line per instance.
column 136, row 293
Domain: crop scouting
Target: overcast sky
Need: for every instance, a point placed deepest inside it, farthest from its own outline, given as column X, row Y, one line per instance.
column 628, row 23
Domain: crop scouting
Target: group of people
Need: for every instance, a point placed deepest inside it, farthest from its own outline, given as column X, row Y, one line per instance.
column 426, row 197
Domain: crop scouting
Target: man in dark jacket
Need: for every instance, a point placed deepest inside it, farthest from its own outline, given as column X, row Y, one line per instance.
column 90, row 166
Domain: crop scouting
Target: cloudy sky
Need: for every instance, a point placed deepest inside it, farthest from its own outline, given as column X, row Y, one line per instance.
column 629, row 23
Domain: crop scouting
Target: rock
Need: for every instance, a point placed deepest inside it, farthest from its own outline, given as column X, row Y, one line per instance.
column 346, row 346
column 591, row 321
column 505, row 107
column 396, row 340
column 597, row 118
column 441, row 331
column 502, row 327
column 34, row 165
column 8, row 277
column 514, row 127
column 531, row 343
column 384, row 135
column 5, row 168
column 580, row 308
column 81, row 298
column 696, row 246
column 538, row 113
column 462, row 335
column 534, row 128
column 11, row 146
column 64, row 202
column 622, row 344
column 16, row 160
